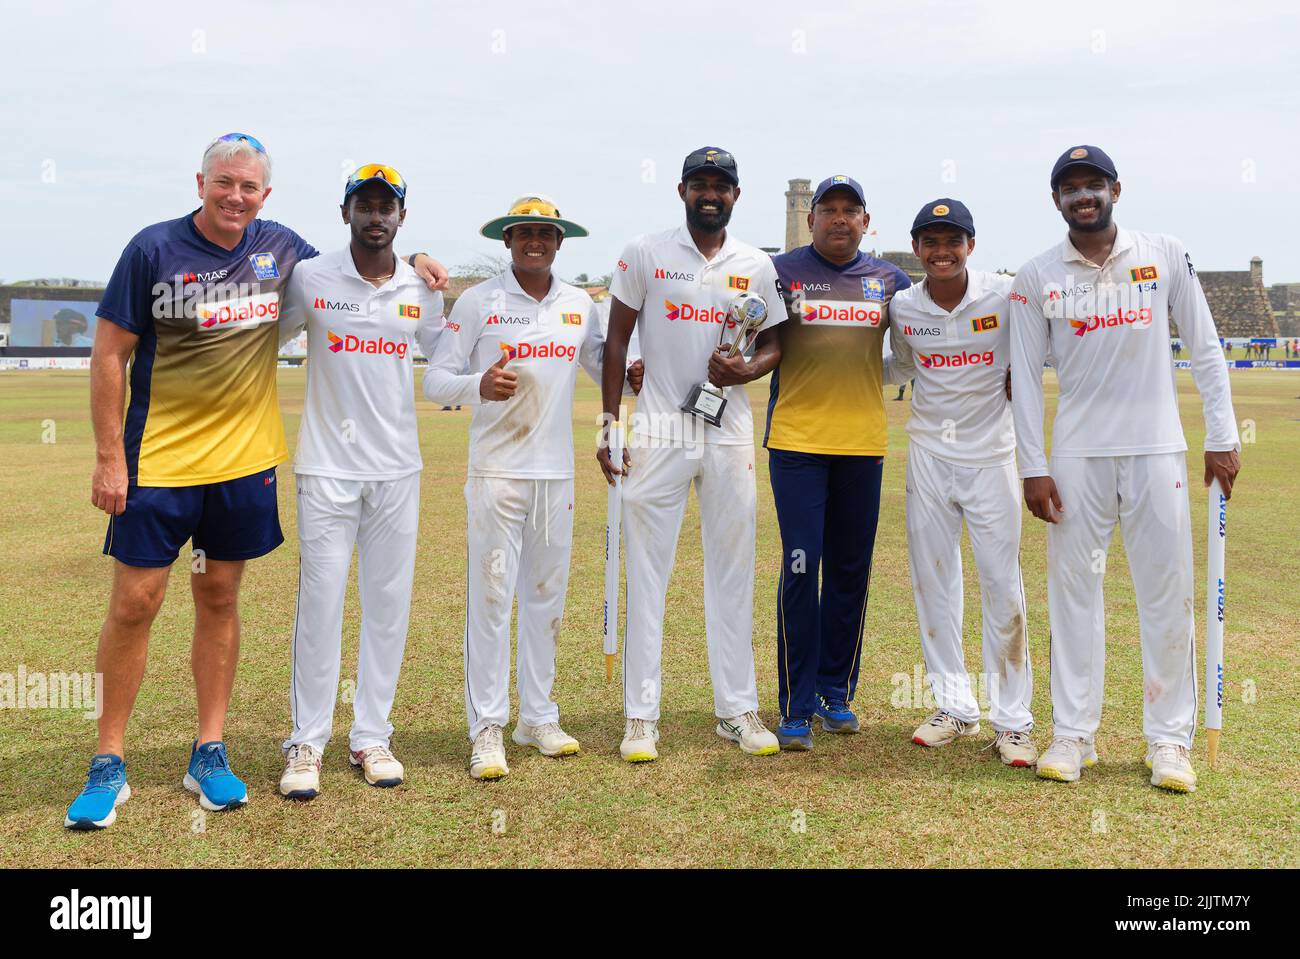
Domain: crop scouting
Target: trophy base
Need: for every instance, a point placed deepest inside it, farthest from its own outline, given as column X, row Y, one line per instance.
column 705, row 403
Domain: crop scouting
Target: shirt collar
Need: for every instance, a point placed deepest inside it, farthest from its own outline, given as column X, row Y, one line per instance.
column 685, row 239
column 403, row 272
column 203, row 240
column 830, row 264
column 510, row 283
column 1123, row 242
column 975, row 288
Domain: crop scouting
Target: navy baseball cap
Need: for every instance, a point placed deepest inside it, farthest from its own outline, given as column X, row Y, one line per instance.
column 710, row 158
column 1084, row 155
column 842, row 182
column 944, row 212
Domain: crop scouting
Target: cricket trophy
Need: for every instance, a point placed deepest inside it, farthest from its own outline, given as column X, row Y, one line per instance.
column 745, row 315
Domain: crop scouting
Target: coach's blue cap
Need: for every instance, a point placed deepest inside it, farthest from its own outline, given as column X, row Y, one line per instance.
column 1084, row 155
column 839, row 182
column 944, row 212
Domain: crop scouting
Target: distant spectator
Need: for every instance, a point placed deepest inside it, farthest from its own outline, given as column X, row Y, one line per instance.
column 70, row 329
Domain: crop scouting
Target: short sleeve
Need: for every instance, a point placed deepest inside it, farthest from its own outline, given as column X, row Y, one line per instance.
column 771, row 289
column 128, row 298
column 628, row 285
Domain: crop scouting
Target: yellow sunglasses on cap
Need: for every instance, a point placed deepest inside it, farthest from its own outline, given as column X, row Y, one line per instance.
column 532, row 209
column 375, row 171
column 534, row 206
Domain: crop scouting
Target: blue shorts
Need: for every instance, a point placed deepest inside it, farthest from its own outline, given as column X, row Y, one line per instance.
column 233, row 520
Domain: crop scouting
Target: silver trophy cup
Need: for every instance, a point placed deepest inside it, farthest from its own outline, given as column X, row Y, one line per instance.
column 745, row 314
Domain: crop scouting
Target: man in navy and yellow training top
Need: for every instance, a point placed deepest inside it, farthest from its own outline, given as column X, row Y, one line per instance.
column 193, row 304
column 826, row 443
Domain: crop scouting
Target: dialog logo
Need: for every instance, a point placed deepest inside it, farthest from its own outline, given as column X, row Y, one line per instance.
column 350, row 343
column 1138, row 319
column 700, row 314
column 840, row 313
column 239, row 312
column 550, row 350
column 940, row 361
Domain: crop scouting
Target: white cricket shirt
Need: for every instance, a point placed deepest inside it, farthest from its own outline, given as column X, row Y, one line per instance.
column 529, row 435
column 1107, row 326
column 358, row 418
column 682, row 299
column 960, row 411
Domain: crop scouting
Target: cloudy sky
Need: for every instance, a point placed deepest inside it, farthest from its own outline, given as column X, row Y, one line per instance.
column 108, row 107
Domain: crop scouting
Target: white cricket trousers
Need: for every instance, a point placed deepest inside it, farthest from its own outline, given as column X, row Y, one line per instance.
column 654, row 499
column 939, row 495
column 1147, row 496
column 519, row 538
column 380, row 518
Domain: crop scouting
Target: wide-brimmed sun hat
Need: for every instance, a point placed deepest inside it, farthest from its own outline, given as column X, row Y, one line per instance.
column 533, row 208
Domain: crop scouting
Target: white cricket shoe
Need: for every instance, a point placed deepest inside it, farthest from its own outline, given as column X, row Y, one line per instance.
column 1171, row 768
column 639, row 738
column 379, row 766
column 748, row 730
column 1015, row 748
column 487, row 760
column 301, row 776
column 1066, row 759
column 941, row 728
column 548, row 738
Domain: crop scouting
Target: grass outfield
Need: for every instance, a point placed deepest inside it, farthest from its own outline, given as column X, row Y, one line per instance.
column 867, row 800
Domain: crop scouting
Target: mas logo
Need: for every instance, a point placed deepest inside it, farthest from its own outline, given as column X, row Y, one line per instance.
column 323, row 304
column 662, row 274
column 189, row 276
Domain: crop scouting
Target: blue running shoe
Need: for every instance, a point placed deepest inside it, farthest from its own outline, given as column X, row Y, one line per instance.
column 209, row 775
column 795, row 735
column 836, row 716
column 106, row 789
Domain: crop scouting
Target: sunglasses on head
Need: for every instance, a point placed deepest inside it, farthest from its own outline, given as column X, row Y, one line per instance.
column 252, row 141
column 378, row 171
column 713, row 158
